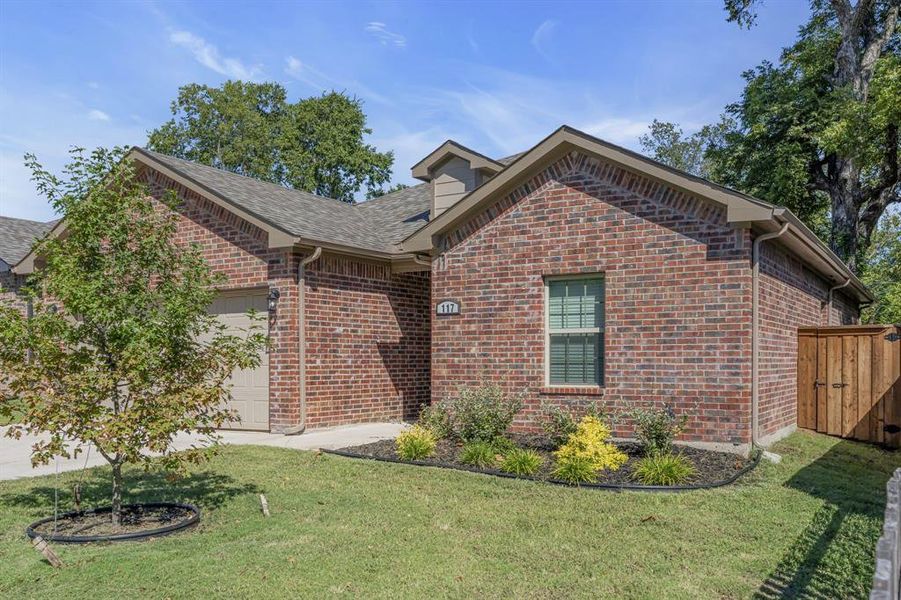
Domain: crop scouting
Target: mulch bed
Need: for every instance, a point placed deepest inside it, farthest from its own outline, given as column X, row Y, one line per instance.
column 137, row 521
column 713, row 468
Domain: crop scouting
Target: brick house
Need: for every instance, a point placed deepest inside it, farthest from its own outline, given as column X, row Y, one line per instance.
column 573, row 272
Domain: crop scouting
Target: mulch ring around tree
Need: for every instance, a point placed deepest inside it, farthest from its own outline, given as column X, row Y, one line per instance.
column 713, row 468
column 139, row 521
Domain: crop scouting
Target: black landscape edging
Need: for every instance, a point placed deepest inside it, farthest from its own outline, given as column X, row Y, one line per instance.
column 121, row 537
column 612, row 487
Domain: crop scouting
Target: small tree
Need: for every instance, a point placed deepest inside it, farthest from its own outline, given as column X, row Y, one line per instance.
column 120, row 351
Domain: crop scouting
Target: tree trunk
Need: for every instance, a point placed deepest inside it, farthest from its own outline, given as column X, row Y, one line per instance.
column 116, row 512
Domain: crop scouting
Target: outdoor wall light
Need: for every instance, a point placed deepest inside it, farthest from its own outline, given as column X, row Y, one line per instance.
column 272, row 299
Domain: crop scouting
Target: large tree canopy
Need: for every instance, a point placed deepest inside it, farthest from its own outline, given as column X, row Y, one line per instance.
column 316, row 144
column 817, row 132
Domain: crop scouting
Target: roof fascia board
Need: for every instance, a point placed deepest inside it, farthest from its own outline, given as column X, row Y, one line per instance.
column 421, row 170
column 830, row 261
column 277, row 237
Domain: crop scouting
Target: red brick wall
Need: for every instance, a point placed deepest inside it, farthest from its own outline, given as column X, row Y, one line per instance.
column 367, row 329
column 9, row 286
column 367, row 342
column 677, row 295
column 239, row 250
column 791, row 296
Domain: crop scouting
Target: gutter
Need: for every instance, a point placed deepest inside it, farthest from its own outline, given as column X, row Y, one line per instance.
column 755, row 333
column 302, row 340
column 829, row 299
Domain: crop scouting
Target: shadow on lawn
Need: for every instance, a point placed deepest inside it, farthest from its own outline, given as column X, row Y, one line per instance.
column 851, row 479
column 206, row 489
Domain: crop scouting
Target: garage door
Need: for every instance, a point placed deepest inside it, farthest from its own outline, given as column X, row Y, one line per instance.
column 250, row 387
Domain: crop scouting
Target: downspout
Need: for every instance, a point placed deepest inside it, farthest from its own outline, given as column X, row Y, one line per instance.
column 829, row 300
column 755, row 333
column 422, row 261
column 302, row 340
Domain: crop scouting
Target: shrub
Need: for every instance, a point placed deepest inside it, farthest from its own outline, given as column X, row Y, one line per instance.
column 416, row 443
column 521, row 462
column 558, row 424
column 479, row 454
column 436, row 419
column 656, row 428
column 664, row 469
column 575, row 469
column 590, row 442
column 483, row 414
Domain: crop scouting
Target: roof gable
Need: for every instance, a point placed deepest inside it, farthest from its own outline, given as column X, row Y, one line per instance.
column 449, row 149
column 741, row 209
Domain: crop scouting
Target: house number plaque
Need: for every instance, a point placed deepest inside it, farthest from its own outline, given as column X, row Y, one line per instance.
column 448, row 307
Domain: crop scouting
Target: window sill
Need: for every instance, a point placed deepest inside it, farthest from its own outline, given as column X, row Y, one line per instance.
column 572, row 390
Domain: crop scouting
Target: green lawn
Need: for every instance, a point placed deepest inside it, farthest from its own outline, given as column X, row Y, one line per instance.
column 358, row 528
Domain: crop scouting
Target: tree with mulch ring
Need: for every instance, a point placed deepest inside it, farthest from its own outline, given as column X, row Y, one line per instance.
column 120, row 354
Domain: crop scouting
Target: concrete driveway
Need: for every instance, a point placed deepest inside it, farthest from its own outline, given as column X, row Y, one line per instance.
column 15, row 455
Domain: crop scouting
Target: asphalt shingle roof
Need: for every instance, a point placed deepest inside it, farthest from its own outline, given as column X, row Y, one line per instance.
column 374, row 225
column 17, row 236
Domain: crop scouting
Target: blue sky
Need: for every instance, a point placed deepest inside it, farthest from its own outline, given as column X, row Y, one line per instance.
column 496, row 77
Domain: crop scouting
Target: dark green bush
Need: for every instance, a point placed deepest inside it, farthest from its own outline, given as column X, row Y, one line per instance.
column 521, row 462
column 483, row 414
column 664, row 469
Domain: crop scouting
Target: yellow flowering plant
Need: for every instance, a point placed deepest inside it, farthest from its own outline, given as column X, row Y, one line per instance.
column 589, row 442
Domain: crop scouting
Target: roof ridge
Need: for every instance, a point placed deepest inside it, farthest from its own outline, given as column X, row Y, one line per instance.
column 232, row 174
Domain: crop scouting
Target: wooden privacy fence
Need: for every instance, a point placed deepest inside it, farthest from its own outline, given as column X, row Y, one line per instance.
column 849, row 382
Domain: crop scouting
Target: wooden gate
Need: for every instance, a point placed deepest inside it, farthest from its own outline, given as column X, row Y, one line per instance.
column 849, row 382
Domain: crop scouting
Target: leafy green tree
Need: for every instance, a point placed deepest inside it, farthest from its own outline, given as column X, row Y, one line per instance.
column 315, row 145
column 384, row 191
column 818, row 132
column 882, row 271
column 666, row 142
column 120, row 352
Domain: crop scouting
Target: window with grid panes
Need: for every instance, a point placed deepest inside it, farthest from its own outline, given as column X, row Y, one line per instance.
column 575, row 331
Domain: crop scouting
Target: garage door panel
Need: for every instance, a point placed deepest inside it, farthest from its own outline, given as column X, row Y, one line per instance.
column 249, row 387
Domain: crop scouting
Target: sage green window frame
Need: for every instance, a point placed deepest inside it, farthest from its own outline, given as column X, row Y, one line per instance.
column 595, row 330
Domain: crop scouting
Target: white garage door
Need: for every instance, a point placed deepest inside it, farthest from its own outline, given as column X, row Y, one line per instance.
column 250, row 387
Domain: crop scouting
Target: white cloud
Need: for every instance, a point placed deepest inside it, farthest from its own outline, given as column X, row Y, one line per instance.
column 319, row 81
column 542, row 36
column 619, row 130
column 385, row 36
column 208, row 55
column 98, row 115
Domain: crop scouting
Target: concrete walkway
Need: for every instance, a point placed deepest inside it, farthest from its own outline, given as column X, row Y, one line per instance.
column 15, row 455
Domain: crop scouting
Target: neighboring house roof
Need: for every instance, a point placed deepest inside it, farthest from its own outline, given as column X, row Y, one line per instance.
column 17, row 237
column 376, row 225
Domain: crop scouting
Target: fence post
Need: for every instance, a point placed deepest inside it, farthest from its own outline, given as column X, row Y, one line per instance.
column 887, row 579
